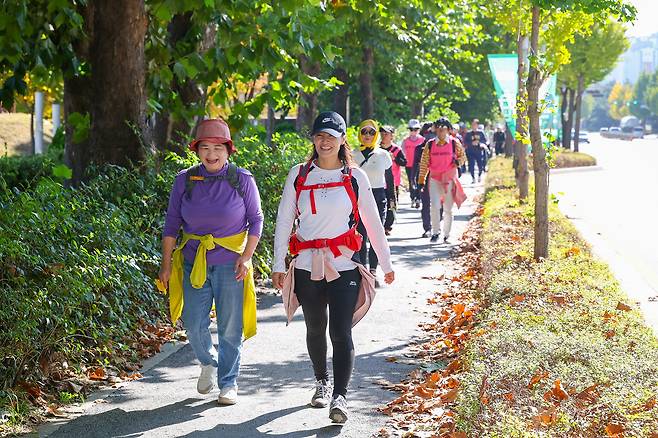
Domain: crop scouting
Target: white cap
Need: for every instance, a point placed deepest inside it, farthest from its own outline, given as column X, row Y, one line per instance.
column 414, row 124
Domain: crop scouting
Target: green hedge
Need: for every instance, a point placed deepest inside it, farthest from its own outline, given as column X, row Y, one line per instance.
column 77, row 265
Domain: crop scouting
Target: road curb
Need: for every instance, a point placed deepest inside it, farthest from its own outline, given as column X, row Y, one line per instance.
column 48, row 428
column 576, row 169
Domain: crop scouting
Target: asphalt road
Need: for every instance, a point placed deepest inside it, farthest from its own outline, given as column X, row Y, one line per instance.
column 615, row 207
column 276, row 380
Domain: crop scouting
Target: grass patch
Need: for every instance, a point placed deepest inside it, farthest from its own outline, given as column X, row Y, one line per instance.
column 15, row 136
column 569, row 323
column 566, row 158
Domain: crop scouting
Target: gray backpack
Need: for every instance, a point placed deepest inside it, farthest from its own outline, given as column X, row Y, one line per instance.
column 193, row 176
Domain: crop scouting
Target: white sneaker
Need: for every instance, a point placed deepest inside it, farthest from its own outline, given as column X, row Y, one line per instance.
column 322, row 394
column 338, row 409
column 228, row 396
column 206, row 379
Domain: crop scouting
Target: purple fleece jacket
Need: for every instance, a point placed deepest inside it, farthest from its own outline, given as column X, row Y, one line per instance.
column 214, row 208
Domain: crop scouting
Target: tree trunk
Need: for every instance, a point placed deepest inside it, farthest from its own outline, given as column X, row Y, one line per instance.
column 171, row 132
column 417, row 108
column 521, row 160
column 365, row 80
column 565, row 117
column 579, row 104
column 340, row 93
column 308, row 102
column 540, row 167
column 113, row 95
column 568, row 125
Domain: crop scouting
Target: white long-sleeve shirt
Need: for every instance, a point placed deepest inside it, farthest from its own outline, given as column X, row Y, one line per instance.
column 333, row 207
column 375, row 167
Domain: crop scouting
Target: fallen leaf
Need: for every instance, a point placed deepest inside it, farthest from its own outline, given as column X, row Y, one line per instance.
column 31, row 388
column 424, row 392
column 559, row 299
column 624, row 307
column 516, row 299
column 55, row 412
column 572, row 252
column 508, row 396
column 539, row 375
column 459, row 308
column 614, row 430
column 545, row 418
column 391, row 359
column 452, row 367
column 96, row 374
column 484, row 386
column 516, row 238
column 557, row 394
column 589, row 394
column 458, row 435
column 609, row 334
column 450, row 396
column 607, row 315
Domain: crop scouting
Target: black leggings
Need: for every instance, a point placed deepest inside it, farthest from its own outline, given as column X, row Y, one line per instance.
column 366, row 255
column 341, row 296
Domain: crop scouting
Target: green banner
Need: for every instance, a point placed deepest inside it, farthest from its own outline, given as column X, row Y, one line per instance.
column 503, row 72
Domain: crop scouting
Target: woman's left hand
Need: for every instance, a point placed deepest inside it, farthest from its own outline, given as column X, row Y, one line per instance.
column 389, row 277
column 241, row 268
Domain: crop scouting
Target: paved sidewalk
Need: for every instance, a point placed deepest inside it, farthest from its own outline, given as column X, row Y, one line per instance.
column 276, row 380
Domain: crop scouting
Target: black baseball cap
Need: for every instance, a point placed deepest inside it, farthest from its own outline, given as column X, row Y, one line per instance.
column 443, row 122
column 330, row 122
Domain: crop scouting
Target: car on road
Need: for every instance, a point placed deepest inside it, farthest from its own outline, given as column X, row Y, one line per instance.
column 604, row 129
column 614, row 129
column 638, row 132
column 582, row 137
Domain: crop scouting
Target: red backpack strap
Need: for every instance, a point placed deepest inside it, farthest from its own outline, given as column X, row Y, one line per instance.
column 301, row 180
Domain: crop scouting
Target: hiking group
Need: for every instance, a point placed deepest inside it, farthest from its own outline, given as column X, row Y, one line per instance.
column 335, row 212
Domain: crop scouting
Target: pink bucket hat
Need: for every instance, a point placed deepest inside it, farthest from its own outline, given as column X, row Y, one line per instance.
column 214, row 130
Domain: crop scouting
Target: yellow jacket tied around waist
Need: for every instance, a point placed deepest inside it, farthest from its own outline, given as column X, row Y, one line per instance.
column 235, row 243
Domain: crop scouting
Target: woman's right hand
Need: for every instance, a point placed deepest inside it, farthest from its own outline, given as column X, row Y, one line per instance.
column 277, row 279
column 165, row 274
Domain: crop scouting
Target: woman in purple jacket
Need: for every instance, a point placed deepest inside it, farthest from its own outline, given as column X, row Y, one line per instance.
column 211, row 201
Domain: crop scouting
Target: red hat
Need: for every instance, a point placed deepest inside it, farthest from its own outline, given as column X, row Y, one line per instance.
column 214, row 130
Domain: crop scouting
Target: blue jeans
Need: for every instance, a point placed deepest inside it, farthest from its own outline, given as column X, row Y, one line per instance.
column 221, row 286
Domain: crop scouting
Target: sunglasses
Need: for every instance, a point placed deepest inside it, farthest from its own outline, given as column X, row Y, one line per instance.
column 368, row 132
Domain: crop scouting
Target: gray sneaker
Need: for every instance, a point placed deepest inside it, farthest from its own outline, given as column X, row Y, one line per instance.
column 338, row 409
column 206, row 379
column 322, row 394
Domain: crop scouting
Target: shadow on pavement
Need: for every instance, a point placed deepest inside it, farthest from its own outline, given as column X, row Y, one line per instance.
column 250, row 428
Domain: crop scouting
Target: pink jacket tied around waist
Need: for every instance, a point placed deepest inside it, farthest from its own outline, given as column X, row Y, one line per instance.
column 321, row 268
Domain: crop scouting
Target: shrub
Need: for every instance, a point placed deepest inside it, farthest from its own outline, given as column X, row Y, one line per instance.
column 77, row 265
